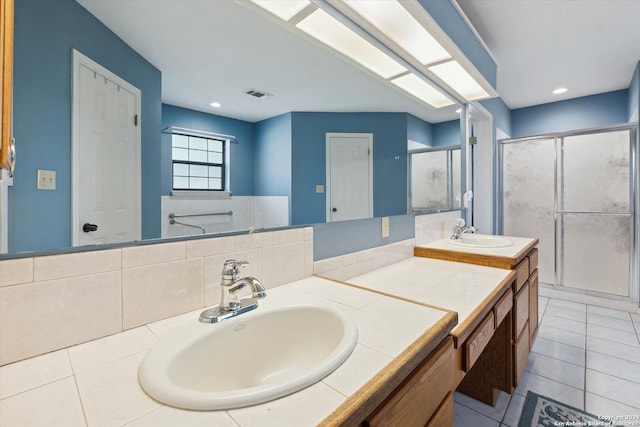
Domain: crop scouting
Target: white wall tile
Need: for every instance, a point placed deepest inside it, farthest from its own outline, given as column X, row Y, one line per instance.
column 282, row 264
column 39, row 317
column 155, row 292
column 153, row 254
column 207, row 247
column 16, row 271
column 77, row 264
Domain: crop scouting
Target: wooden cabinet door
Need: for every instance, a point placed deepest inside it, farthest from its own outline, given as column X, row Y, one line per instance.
column 6, row 64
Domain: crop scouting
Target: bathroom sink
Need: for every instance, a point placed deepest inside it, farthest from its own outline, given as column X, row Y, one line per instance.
column 250, row 359
column 481, row 241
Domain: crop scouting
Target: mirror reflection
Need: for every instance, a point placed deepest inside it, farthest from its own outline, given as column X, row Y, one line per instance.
column 182, row 57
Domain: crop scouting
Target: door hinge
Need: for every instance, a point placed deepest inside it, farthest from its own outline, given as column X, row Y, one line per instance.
column 135, row 120
column 473, row 140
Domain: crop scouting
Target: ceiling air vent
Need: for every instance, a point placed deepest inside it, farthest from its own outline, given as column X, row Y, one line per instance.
column 258, row 94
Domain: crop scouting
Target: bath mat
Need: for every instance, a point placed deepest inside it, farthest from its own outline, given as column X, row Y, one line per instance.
column 541, row 411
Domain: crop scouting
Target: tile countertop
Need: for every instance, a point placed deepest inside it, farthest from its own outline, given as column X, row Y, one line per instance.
column 459, row 287
column 517, row 251
column 96, row 383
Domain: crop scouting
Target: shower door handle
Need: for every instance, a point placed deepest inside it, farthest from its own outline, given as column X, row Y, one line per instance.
column 89, row 227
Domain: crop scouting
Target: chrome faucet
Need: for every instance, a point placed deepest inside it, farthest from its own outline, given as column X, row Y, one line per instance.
column 230, row 303
column 459, row 229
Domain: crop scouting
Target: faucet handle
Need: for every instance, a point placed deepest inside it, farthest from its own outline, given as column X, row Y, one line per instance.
column 232, row 267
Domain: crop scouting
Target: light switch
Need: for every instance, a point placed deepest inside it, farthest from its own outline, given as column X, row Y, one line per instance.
column 46, row 180
column 385, row 226
column 319, row 188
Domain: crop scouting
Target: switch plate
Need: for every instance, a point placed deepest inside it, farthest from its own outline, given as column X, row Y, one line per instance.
column 319, row 188
column 46, row 180
column 385, row 226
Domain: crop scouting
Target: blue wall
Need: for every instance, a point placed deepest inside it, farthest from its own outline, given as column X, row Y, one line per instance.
column 45, row 32
column 500, row 112
column 340, row 238
column 272, row 156
column 419, row 131
column 578, row 113
column 309, row 164
column 241, row 154
column 446, row 133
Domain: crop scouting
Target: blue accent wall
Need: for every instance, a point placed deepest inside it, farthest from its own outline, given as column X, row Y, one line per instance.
column 578, row 113
column 45, row 33
column 419, row 131
column 500, row 112
column 272, row 157
column 449, row 19
column 446, row 133
column 309, row 164
column 241, row 154
column 339, row 238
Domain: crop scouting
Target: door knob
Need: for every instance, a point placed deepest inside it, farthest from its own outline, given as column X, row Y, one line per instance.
column 89, row 227
column 334, row 210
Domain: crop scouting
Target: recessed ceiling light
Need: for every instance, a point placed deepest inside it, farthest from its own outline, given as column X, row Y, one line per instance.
column 216, row 104
column 560, row 90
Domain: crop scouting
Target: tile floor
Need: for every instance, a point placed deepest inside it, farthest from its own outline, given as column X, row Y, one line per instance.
column 584, row 355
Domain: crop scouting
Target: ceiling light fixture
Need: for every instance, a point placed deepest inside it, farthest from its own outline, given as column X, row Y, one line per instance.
column 458, row 79
column 560, row 90
column 422, row 90
column 283, row 9
column 325, row 28
column 399, row 25
column 215, row 104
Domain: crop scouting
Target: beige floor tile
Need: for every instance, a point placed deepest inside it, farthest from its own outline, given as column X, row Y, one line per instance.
column 35, row 372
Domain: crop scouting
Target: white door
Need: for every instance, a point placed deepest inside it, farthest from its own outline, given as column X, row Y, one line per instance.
column 349, row 176
column 106, row 156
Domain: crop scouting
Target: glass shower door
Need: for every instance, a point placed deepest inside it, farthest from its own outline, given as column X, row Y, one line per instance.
column 575, row 192
column 595, row 212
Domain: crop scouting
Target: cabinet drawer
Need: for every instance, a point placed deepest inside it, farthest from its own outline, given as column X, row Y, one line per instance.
column 533, row 260
column 521, row 310
column 444, row 415
column 522, row 274
column 477, row 341
column 418, row 397
column 520, row 356
column 502, row 307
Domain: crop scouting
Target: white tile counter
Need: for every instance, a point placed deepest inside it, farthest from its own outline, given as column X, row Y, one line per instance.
column 445, row 284
column 96, row 383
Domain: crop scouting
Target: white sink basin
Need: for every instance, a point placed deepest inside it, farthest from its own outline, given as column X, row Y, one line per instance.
column 481, row 241
column 250, row 359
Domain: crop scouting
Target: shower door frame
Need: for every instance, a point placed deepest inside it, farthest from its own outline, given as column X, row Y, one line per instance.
column 634, row 203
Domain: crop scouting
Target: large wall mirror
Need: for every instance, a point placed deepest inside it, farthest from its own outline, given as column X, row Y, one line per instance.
column 183, row 55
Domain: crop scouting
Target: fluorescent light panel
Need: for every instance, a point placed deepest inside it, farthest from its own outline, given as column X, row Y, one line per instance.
column 283, row 9
column 400, row 26
column 458, row 79
column 334, row 34
column 422, row 90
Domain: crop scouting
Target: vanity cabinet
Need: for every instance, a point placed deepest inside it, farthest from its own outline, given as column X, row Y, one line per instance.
column 523, row 260
column 424, row 398
column 6, row 65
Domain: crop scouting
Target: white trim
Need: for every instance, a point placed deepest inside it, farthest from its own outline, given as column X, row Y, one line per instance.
column 4, row 211
column 483, row 168
column 79, row 59
column 328, row 137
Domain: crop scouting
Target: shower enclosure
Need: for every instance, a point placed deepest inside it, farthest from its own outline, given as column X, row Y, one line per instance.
column 578, row 193
column 434, row 180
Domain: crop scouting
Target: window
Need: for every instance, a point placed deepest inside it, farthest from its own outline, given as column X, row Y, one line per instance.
column 198, row 162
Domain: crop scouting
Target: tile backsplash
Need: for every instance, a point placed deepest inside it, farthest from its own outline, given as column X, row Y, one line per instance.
column 52, row 302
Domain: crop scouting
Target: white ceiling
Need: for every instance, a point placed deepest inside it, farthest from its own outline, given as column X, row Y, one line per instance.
column 216, row 50
column 588, row 46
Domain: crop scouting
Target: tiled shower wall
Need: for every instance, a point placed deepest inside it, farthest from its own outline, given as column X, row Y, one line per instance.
column 53, row 302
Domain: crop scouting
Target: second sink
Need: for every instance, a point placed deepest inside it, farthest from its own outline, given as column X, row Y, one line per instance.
column 481, row 241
